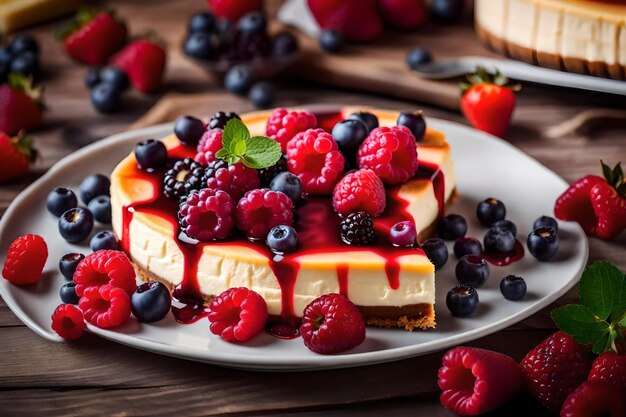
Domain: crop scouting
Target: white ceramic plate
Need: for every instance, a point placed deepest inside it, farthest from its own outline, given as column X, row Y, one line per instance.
column 485, row 167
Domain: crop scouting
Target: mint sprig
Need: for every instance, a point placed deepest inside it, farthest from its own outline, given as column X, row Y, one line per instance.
column 254, row 152
column 600, row 318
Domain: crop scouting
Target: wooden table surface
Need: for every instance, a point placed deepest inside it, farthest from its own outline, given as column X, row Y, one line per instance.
column 97, row 377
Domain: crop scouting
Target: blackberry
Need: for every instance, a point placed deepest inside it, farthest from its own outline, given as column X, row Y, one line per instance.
column 212, row 168
column 357, row 229
column 186, row 175
column 219, row 119
column 266, row 175
column 247, row 46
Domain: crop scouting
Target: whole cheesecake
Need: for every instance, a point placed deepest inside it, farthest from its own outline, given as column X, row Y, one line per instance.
column 391, row 286
column 583, row 36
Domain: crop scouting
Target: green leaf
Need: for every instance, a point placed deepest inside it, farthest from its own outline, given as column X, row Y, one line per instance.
column 603, row 290
column 600, row 344
column 261, row 152
column 622, row 322
column 240, row 148
column 580, row 323
column 235, row 131
column 222, row 154
column 607, row 172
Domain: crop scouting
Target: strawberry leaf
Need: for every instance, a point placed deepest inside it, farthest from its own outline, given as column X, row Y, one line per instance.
column 603, row 290
column 580, row 323
column 607, row 172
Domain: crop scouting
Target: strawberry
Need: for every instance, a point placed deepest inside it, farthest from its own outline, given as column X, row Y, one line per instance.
column 595, row 399
column 609, row 367
column 488, row 102
column 93, row 36
column 403, row 14
column 21, row 105
column 143, row 60
column 16, row 154
column 575, row 204
column 233, row 9
column 357, row 20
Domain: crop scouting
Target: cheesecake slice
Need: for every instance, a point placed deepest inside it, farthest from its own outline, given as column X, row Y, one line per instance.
column 392, row 287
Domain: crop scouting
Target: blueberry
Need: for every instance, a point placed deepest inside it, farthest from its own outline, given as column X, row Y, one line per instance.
column 115, row 77
column 369, row 119
column 203, row 22
column 543, row 243
column 462, row 301
column 105, row 98
column 26, row 63
column 262, row 94
column 490, row 211
column 6, row 56
column 23, row 43
column 499, row 240
column 68, row 264
column 417, row 57
column 282, row 239
column 60, row 200
column 284, row 44
column 68, row 293
column 239, row 79
column 415, row 122
column 76, row 224
column 201, row 45
column 403, row 234
column 189, row 130
column 467, row 246
column 92, row 186
column 150, row 302
column 251, row 23
column 546, row 221
column 288, row 183
column 513, row 288
column 436, row 250
column 349, row 134
column 100, row 207
column 151, row 154
column 452, row 227
column 331, row 41
column 104, row 240
column 507, row 224
column 92, row 78
column 472, row 270
column 446, row 11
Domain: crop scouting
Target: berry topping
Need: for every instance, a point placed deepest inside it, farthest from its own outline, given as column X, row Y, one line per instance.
column 332, row 324
column 609, row 367
column 189, row 130
column 100, row 207
column 60, row 200
column 417, row 57
column 513, row 288
column 452, row 227
column 105, row 267
column 210, row 143
column 546, row 221
column 68, row 293
column 94, row 185
column 237, row 315
column 207, row 214
column 283, row 125
column 475, row 381
column 357, row 229
column 266, row 175
column 391, row 153
column 76, row 224
column 499, row 240
column 472, row 270
column 490, row 211
column 361, row 190
column 349, row 135
column 260, row 210
column 543, row 243
column 104, row 240
column 150, row 302
column 331, row 41
column 403, row 234
column 151, row 154
column 25, row 260
column 507, row 224
column 462, row 301
column 68, row 264
column 415, row 122
column 219, row 119
column 235, row 179
column 467, row 246
column 436, row 251
column 68, row 322
column 186, row 175
column 282, row 239
column 595, row 399
column 368, row 119
column 105, row 306
column 313, row 156
column 575, row 203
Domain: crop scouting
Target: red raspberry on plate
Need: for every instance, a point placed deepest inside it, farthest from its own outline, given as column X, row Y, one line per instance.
column 235, row 179
column 283, row 125
column 105, row 267
column 210, row 143
column 554, row 368
column 390, row 152
column 475, row 381
column 332, row 324
column 314, row 156
column 609, row 367
column 68, row 322
column 595, row 399
column 25, row 260
column 207, row 215
column 260, row 210
column 105, row 306
column 361, row 190
column 237, row 314
column 575, row 202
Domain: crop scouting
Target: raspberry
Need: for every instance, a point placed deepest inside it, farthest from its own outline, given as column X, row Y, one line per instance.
column 283, row 125
column 105, row 267
column 105, row 306
column 359, row 191
column 186, row 175
column 237, row 314
column 235, row 179
column 609, row 367
column 554, row 368
column 68, row 322
column 207, row 214
column 25, row 260
column 210, row 143
column 266, row 175
column 332, row 324
column 357, row 229
column 314, row 156
column 391, row 153
column 595, row 399
column 219, row 119
column 474, row 381
column 260, row 210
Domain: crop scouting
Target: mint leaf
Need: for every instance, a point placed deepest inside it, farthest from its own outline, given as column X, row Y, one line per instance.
column 235, row 131
column 580, row 323
column 239, row 148
column 261, row 152
column 603, row 290
column 222, row 154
